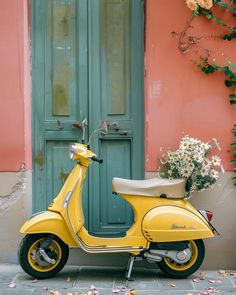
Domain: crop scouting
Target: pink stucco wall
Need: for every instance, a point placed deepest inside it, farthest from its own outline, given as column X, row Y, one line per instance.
column 179, row 98
column 15, row 148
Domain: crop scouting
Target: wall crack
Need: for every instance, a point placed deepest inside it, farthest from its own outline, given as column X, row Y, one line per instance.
column 17, row 191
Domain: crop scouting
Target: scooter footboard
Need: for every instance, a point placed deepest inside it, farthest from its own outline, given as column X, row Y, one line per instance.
column 173, row 223
column 49, row 222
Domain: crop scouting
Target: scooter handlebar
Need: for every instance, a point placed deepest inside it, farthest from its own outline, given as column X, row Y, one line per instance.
column 96, row 159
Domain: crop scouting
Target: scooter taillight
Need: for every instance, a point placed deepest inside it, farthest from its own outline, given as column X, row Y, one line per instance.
column 206, row 214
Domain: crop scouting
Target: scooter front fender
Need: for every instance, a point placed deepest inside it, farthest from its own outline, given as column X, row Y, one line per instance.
column 49, row 222
column 173, row 223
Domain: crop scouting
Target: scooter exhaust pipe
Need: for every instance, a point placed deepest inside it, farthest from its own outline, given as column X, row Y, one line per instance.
column 151, row 258
column 177, row 256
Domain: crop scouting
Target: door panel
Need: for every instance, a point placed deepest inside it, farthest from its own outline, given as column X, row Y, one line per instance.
column 114, row 209
column 87, row 61
column 58, row 167
column 59, row 78
column 116, row 95
column 115, row 56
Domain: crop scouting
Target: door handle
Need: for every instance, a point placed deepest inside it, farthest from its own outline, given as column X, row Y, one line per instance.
column 114, row 126
column 77, row 124
column 59, row 126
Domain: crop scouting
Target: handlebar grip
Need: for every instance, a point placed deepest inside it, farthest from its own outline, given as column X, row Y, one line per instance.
column 96, row 159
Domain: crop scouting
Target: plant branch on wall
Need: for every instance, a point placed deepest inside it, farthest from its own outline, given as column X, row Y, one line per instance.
column 207, row 64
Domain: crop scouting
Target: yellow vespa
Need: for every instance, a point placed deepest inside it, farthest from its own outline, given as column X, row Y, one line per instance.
column 167, row 229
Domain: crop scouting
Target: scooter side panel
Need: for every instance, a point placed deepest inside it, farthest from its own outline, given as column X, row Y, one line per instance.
column 173, row 223
column 49, row 222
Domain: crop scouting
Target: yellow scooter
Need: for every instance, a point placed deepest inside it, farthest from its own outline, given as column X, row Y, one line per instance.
column 167, row 229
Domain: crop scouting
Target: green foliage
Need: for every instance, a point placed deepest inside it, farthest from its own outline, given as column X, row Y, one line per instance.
column 209, row 67
column 233, row 146
column 208, row 14
column 229, row 70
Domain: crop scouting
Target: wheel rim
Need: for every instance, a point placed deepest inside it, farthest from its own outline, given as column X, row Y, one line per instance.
column 41, row 265
column 185, row 266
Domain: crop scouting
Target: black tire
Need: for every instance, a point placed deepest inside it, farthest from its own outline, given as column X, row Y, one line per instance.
column 36, row 266
column 180, row 271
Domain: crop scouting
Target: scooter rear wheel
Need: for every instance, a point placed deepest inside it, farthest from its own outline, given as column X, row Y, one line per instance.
column 179, row 271
column 33, row 263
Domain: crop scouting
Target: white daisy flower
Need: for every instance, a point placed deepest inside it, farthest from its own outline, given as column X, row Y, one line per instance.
column 199, row 151
column 205, row 146
column 198, row 158
column 214, row 173
column 204, row 171
column 216, row 161
column 186, row 159
column 184, row 145
column 193, row 140
column 191, row 166
column 206, row 162
column 185, row 172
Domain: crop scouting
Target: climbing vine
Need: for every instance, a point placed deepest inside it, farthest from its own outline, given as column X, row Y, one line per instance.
column 209, row 67
column 205, row 62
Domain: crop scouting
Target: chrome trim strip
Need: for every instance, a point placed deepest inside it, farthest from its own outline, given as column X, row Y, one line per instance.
column 67, row 198
column 94, row 249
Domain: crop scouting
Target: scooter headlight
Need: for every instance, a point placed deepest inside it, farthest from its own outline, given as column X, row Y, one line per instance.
column 72, row 151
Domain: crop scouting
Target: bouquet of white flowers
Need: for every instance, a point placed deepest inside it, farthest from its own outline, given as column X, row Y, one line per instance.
column 193, row 160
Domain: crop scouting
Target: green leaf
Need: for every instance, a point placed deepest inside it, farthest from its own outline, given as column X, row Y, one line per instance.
column 232, row 101
column 219, row 21
column 209, row 16
column 232, row 96
column 228, row 83
column 228, row 73
column 232, row 66
column 233, row 144
column 222, row 4
column 210, row 69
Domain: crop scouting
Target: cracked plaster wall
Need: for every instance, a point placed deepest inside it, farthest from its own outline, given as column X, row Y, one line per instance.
column 15, row 207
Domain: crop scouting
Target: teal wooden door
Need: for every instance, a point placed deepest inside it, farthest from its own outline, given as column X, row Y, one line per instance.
column 87, row 61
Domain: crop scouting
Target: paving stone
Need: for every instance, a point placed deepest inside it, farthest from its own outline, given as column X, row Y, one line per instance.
column 99, row 279
column 8, row 272
column 151, row 292
column 147, row 282
column 226, row 284
column 16, row 292
column 139, row 283
column 84, row 290
column 172, row 284
column 58, row 281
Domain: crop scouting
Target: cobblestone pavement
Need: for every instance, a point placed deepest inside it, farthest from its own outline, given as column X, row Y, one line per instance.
column 73, row 280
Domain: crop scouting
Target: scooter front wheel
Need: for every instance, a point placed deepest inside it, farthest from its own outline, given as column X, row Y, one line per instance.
column 179, row 271
column 33, row 263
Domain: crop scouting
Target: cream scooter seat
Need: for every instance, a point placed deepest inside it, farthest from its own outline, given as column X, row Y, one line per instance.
column 154, row 187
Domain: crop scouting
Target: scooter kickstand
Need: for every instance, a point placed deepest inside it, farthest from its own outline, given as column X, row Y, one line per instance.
column 129, row 268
